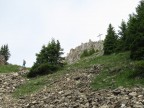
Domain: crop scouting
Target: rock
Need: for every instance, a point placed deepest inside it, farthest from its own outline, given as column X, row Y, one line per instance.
column 2, row 60
column 116, row 92
column 133, row 94
column 104, row 106
column 140, row 96
column 123, row 106
column 74, row 54
column 77, row 78
column 61, row 92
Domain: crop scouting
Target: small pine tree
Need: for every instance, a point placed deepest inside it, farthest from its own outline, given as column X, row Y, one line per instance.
column 121, row 41
column 49, row 59
column 50, row 54
column 5, row 52
column 110, row 41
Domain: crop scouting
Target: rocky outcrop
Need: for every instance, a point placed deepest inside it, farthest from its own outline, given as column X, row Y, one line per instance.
column 74, row 54
column 2, row 60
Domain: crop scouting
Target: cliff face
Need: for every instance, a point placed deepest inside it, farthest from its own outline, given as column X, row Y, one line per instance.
column 74, row 54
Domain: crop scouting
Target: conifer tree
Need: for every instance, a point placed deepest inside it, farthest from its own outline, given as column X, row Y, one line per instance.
column 110, row 41
column 121, row 42
column 48, row 60
column 50, row 54
column 137, row 47
column 131, row 31
column 5, row 52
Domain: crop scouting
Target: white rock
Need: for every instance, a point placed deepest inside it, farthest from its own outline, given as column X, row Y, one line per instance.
column 133, row 94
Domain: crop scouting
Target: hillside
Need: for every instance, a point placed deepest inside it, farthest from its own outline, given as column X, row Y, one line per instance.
column 93, row 82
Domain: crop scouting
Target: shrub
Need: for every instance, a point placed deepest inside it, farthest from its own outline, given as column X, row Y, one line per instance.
column 42, row 69
column 88, row 53
column 91, row 51
column 137, row 49
column 85, row 53
column 139, row 69
column 139, row 66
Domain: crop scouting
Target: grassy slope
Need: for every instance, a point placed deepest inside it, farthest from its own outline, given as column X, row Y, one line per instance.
column 116, row 71
column 9, row 68
column 35, row 84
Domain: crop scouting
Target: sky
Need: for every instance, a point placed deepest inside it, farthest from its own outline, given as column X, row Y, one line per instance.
column 27, row 25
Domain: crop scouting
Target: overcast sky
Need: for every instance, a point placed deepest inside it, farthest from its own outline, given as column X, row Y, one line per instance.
column 26, row 25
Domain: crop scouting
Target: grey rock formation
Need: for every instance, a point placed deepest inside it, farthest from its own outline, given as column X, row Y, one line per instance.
column 74, row 54
column 2, row 60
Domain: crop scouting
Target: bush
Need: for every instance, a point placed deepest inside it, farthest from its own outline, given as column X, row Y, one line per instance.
column 88, row 53
column 85, row 53
column 139, row 66
column 43, row 69
column 137, row 54
column 137, row 49
column 139, row 69
column 91, row 51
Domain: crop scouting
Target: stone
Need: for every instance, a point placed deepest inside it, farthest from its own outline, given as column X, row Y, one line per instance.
column 104, row 106
column 2, row 60
column 61, row 92
column 116, row 92
column 133, row 94
column 123, row 106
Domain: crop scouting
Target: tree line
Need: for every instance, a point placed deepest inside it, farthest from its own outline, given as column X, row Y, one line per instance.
column 130, row 37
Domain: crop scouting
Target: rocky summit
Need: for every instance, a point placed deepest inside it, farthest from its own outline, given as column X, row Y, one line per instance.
column 72, row 90
column 74, row 54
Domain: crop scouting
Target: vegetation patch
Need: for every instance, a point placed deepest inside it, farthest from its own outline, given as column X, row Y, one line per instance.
column 9, row 68
column 87, row 53
column 30, row 86
column 37, row 83
column 42, row 69
column 139, row 70
column 48, row 60
column 117, row 70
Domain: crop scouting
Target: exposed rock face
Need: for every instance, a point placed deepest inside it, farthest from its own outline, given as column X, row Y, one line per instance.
column 2, row 60
column 75, row 54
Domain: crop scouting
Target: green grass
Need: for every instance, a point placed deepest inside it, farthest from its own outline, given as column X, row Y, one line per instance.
column 30, row 86
column 9, row 68
column 35, row 84
column 116, row 71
